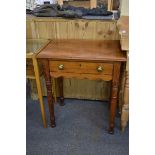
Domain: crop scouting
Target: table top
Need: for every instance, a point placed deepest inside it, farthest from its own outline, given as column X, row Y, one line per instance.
column 87, row 50
column 33, row 46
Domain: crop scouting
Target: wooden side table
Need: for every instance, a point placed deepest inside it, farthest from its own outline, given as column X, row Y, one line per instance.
column 33, row 46
column 83, row 59
column 123, row 26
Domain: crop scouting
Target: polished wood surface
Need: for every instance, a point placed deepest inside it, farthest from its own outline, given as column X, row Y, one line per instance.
column 81, row 67
column 82, row 76
column 114, row 96
column 81, row 70
column 82, row 59
column 90, row 50
column 39, row 88
column 46, row 72
column 60, row 83
column 121, row 87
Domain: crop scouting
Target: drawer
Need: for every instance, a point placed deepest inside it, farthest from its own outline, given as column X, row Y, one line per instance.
column 81, row 67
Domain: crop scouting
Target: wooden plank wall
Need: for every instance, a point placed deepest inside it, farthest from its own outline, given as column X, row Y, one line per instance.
column 54, row 28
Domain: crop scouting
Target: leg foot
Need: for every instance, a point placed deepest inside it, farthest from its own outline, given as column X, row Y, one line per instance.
column 46, row 72
column 111, row 130
column 114, row 95
column 60, row 81
column 53, row 124
column 61, row 102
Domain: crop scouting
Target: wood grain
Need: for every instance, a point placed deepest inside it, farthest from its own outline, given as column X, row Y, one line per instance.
column 39, row 89
column 59, row 28
column 60, row 85
column 46, row 72
column 121, row 87
column 82, row 76
column 51, row 68
column 77, row 49
column 114, row 96
column 81, row 67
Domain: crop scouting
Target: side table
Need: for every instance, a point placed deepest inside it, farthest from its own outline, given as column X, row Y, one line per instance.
column 83, row 59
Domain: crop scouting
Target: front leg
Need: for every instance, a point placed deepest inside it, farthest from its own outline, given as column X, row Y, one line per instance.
column 114, row 95
column 125, row 108
column 60, row 81
column 47, row 76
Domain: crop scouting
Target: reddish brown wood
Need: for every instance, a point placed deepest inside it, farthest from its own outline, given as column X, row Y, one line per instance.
column 87, row 50
column 121, row 87
column 104, row 77
column 60, row 83
column 81, row 67
column 46, row 72
column 114, row 95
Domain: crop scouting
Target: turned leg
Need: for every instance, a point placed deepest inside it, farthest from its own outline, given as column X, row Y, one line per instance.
column 125, row 108
column 46, row 71
column 60, row 83
column 121, row 89
column 37, row 77
column 54, row 89
column 114, row 95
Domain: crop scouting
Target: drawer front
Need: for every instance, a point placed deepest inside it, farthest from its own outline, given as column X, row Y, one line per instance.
column 81, row 67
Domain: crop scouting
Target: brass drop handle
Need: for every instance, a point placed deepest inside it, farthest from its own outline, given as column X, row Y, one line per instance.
column 61, row 67
column 99, row 68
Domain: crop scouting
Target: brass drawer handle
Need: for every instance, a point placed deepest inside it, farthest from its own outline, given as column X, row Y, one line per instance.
column 61, row 67
column 99, row 68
